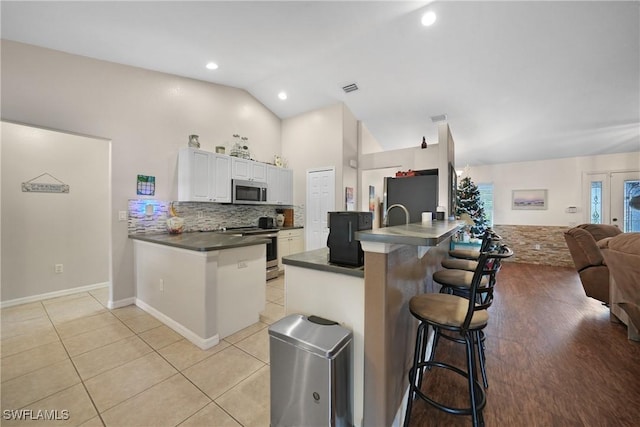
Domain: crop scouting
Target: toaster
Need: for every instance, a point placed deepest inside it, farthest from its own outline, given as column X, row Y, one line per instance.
column 266, row 222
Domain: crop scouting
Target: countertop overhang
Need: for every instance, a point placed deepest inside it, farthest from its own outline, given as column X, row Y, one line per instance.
column 201, row 241
column 414, row 234
column 318, row 259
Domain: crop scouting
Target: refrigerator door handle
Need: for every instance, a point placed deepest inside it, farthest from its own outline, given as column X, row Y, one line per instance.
column 350, row 233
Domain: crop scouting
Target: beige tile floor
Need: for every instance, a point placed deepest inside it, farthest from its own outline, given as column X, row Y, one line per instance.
column 124, row 368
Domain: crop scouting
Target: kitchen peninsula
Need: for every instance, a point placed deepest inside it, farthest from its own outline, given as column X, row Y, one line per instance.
column 203, row 285
column 373, row 303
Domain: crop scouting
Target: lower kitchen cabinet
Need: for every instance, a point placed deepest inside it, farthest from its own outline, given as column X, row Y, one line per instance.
column 290, row 242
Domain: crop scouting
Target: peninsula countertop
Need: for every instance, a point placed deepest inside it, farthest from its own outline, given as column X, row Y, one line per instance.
column 415, row 234
column 201, row 241
column 318, row 259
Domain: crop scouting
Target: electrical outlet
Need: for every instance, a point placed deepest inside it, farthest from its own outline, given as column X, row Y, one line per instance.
column 242, row 264
column 200, row 215
column 122, row 215
column 59, row 268
column 536, row 247
column 161, row 285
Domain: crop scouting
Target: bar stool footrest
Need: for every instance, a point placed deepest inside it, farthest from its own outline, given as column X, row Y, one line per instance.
column 479, row 391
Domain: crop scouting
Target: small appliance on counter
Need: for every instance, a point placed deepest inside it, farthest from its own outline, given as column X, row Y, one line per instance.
column 288, row 217
column 265, row 222
column 344, row 249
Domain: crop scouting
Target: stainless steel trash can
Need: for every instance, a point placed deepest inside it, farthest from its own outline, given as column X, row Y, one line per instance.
column 311, row 375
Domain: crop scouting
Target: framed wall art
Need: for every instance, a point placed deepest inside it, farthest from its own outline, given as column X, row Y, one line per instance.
column 529, row 199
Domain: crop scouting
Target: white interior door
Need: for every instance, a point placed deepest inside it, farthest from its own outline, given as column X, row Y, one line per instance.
column 320, row 200
column 625, row 201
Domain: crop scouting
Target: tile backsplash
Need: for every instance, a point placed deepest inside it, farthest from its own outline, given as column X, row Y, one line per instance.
column 198, row 216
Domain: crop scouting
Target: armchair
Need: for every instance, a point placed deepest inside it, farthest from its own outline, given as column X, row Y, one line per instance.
column 587, row 257
column 622, row 254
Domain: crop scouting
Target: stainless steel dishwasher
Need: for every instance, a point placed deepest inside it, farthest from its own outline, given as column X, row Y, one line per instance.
column 311, row 375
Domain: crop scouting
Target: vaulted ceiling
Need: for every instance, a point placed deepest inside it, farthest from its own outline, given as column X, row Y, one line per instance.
column 517, row 80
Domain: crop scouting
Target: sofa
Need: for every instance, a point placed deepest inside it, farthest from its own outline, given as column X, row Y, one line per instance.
column 622, row 255
column 587, row 257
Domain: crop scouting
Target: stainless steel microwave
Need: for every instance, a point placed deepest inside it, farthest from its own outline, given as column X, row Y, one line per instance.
column 248, row 192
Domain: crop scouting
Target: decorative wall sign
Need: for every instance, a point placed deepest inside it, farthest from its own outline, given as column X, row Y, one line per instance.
column 349, row 199
column 372, row 200
column 529, row 199
column 146, row 185
column 44, row 187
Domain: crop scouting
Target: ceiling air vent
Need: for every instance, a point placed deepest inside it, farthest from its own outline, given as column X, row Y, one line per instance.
column 350, row 88
column 439, row 118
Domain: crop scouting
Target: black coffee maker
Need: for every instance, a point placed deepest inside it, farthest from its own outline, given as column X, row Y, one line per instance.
column 344, row 249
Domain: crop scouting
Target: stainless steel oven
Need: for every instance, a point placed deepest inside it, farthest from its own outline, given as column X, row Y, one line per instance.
column 272, row 254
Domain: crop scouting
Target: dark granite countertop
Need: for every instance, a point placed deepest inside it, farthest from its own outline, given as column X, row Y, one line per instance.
column 318, row 259
column 201, row 241
column 415, row 234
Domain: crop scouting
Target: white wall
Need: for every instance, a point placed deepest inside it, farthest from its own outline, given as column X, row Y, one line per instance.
column 375, row 166
column 40, row 230
column 147, row 116
column 374, row 177
column 350, row 154
column 563, row 178
column 446, row 156
column 312, row 140
column 368, row 143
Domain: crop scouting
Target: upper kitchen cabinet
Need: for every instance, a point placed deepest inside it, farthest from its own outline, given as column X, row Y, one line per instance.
column 248, row 170
column 203, row 176
column 280, row 186
column 286, row 186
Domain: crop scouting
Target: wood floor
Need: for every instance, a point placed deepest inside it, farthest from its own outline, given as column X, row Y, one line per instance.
column 553, row 358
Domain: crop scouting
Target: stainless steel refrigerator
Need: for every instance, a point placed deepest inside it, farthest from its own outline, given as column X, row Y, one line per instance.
column 417, row 193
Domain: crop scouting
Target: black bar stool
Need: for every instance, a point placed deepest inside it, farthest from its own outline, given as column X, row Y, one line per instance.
column 458, row 282
column 488, row 238
column 458, row 315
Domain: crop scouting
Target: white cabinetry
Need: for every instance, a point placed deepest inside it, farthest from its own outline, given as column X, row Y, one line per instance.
column 286, row 187
column 290, row 242
column 248, row 170
column 280, row 186
column 203, row 176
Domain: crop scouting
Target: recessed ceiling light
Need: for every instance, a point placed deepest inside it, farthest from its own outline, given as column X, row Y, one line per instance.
column 428, row 19
column 282, row 95
column 212, row 66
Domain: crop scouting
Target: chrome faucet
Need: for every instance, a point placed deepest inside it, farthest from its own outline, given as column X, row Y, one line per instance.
column 385, row 220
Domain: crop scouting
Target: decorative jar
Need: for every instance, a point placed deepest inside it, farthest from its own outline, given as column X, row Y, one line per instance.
column 193, row 141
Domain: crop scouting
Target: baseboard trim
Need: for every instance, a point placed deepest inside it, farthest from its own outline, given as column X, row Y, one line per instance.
column 121, row 303
column 55, row 294
column 203, row 343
